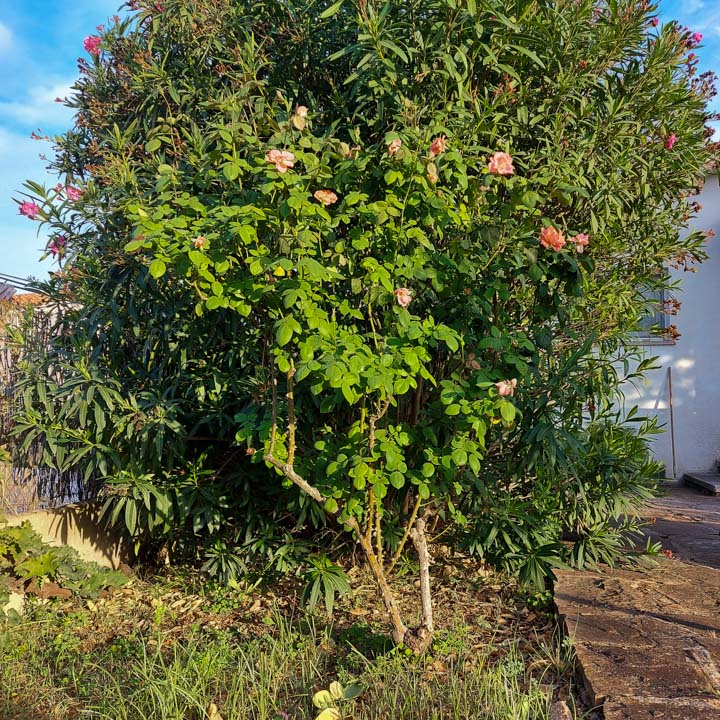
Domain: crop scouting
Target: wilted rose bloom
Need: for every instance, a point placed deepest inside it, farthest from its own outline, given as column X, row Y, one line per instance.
column 73, row 193
column 404, row 296
column 580, row 241
column 438, row 146
column 199, row 242
column 29, row 209
column 394, row 146
column 298, row 119
column 472, row 362
column 326, row 197
column 670, row 140
column 501, row 163
column 552, row 239
column 506, row 388
column 92, row 44
column 282, row 159
column 432, row 173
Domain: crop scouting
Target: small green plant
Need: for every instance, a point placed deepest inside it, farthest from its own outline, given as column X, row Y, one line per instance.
column 331, row 702
column 24, row 556
column 326, row 578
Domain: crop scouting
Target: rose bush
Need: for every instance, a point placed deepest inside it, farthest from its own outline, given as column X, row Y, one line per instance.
column 376, row 263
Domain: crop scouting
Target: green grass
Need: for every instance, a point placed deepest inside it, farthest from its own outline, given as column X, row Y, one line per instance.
column 46, row 673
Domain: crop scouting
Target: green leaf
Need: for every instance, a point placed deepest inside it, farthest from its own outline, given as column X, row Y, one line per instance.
column 507, row 410
column 332, row 10
column 157, row 268
column 152, row 145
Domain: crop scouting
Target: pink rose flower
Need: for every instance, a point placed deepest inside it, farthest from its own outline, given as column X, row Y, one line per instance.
column 282, row 159
column 438, row 146
column 199, row 242
column 92, row 44
column 501, row 163
column 29, row 209
column 580, row 241
column 403, row 296
column 552, row 239
column 73, row 193
column 506, row 388
column 326, row 197
column 394, row 146
column 670, row 141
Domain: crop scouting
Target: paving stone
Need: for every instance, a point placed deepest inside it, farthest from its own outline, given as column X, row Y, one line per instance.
column 648, row 641
column 678, row 709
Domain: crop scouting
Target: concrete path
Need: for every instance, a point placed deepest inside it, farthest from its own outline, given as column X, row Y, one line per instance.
column 648, row 642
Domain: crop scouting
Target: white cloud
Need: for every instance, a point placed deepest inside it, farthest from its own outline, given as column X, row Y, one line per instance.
column 39, row 108
column 6, row 39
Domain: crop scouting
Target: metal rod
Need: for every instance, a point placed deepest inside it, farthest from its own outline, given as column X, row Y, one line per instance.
column 672, row 422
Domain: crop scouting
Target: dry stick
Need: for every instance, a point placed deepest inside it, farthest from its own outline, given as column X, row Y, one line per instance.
column 291, row 414
column 422, row 637
column 406, row 534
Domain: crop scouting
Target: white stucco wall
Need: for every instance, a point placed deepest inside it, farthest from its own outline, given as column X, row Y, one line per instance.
column 693, row 362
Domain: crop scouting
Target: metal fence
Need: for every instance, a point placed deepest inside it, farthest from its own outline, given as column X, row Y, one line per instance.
column 29, row 485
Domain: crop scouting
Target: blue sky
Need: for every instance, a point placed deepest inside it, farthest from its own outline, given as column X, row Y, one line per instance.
column 40, row 41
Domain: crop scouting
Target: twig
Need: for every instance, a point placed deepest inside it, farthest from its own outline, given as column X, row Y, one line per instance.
column 406, row 534
column 291, row 413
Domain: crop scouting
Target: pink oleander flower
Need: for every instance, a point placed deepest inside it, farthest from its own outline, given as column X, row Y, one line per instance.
column 282, row 159
column 73, row 193
column 438, row 146
column 92, row 44
column 57, row 245
column 199, row 242
column 552, row 239
column 580, row 241
column 394, row 146
column 403, row 296
column 501, row 163
column 696, row 38
column 29, row 209
column 506, row 388
column 670, row 141
column 326, row 197
column 654, row 22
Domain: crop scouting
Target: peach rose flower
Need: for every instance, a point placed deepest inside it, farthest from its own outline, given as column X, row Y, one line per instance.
column 438, row 146
column 199, row 242
column 506, row 388
column 326, row 197
column 282, row 159
column 580, row 241
column 552, row 239
column 403, row 296
column 394, row 146
column 501, row 163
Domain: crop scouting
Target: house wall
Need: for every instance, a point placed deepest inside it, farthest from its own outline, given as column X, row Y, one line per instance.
column 692, row 365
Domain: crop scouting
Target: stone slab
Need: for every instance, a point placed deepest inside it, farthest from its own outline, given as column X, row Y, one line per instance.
column 648, row 641
column 662, row 709
column 709, row 482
